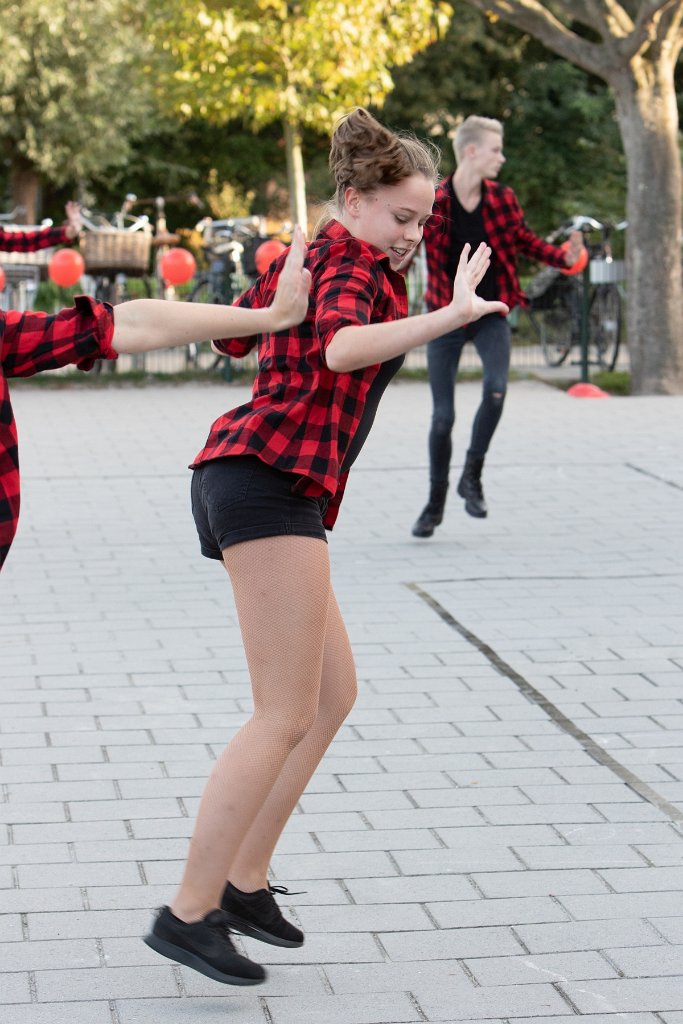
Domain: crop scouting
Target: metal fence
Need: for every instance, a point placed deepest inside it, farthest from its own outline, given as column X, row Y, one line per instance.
column 526, row 355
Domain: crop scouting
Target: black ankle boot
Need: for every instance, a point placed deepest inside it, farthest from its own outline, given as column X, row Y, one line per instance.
column 432, row 514
column 469, row 488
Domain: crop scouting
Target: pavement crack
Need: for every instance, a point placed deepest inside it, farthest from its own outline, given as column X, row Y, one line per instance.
column 535, row 696
column 654, row 476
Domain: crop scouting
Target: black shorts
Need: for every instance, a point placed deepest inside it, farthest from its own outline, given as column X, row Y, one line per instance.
column 240, row 498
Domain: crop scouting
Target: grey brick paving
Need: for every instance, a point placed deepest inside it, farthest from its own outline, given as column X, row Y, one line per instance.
column 463, row 858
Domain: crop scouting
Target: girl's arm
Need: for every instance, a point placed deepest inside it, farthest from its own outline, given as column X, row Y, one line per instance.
column 145, row 324
column 354, row 347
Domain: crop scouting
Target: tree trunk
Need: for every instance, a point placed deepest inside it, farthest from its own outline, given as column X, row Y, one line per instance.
column 648, row 116
column 295, row 175
column 25, row 190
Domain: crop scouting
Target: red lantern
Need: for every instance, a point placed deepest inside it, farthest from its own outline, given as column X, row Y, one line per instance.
column 177, row 266
column 66, row 267
column 580, row 264
column 267, row 252
column 2, row 280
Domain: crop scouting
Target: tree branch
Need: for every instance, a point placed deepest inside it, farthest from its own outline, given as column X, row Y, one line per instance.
column 532, row 17
column 651, row 24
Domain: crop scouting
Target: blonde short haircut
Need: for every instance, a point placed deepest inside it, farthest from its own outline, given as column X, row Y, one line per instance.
column 471, row 130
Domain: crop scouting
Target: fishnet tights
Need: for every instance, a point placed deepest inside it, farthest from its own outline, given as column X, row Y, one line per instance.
column 303, row 684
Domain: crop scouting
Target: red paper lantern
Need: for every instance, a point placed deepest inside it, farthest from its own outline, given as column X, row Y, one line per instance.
column 267, row 252
column 2, row 280
column 177, row 266
column 580, row 264
column 66, row 267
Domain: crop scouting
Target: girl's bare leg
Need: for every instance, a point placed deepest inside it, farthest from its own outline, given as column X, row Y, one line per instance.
column 249, row 869
column 282, row 588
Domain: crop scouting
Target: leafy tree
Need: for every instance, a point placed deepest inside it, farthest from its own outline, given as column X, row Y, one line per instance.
column 64, row 114
column 634, row 46
column 303, row 63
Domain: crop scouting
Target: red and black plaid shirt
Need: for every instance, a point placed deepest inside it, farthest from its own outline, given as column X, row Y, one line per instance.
column 29, row 241
column 507, row 233
column 29, row 343
column 302, row 416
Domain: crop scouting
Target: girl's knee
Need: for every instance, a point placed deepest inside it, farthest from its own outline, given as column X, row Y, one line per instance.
column 347, row 699
column 290, row 726
column 336, row 705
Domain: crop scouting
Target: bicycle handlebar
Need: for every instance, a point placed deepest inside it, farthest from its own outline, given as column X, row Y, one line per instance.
column 585, row 224
column 102, row 224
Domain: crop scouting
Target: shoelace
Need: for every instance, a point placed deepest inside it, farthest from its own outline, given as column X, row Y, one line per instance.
column 282, row 890
column 266, row 906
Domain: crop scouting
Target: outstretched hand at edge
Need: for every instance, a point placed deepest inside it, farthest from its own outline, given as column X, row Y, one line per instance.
column 74, row 223
column 290, row 303
column 466, row 304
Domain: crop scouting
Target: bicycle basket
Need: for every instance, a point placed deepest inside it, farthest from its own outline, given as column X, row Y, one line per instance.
column 540, row 290
column 117, row 251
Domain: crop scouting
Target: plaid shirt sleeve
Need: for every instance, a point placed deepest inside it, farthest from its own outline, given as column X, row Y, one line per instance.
column 82, row 334
column 508, row 233
column 29, row 343
column 29, row 241
column 255, row 297
column 346, row 289
column 437, row 243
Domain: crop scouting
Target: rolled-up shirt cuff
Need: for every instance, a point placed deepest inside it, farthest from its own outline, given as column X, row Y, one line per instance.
column 102, row 315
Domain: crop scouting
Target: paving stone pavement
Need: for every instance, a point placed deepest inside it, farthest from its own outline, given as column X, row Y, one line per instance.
column 495, row 836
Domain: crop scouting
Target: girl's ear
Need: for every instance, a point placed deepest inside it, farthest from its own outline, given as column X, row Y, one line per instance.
column 352, row 200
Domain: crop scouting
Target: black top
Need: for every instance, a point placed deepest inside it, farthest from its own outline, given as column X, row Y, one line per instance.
column 377, row 388
column 465, row 227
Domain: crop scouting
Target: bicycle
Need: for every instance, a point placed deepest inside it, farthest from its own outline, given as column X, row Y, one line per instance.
column 556, row 299
column 230, row 246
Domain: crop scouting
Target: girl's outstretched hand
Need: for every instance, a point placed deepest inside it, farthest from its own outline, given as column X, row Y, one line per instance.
column 290, row 304
column 466, row 304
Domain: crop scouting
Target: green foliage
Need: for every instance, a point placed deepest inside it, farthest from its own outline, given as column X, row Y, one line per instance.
column 72, row 91
column 563, row 144
column 303, row 62
column 615, row 382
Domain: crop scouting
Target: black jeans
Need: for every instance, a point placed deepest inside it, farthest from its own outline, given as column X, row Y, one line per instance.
column 491, row 338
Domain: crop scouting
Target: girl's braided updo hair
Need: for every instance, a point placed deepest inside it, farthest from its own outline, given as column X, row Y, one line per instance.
column 365, row 155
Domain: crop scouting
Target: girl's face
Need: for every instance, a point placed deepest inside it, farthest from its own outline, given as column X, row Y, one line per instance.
column 392, row 217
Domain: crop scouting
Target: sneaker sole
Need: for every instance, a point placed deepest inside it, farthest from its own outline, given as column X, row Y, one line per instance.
column 183, row 956
column 245, row 928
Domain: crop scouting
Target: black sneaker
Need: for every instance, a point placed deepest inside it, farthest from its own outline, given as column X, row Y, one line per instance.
column 258, row 915
column 205, row 946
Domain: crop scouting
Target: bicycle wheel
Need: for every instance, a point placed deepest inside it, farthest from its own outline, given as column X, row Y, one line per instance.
column 201, row 356
column 605, row 324
column 555, row 324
